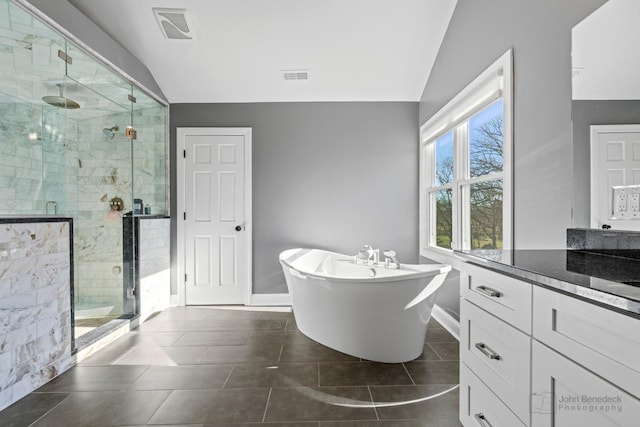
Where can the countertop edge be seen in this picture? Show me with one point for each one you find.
(33, 219)
(618, 303)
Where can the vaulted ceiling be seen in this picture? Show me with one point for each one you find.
(351, 50)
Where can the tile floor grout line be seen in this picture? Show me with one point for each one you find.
(407, 371)
(197, 362)
(161, 405)
(280, 355)
(50, 410)
(228, 376)
(373, 403)
(434, 350)
(266, 406)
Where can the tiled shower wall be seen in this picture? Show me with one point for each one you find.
(21, 160)
(154, 265)
(35, 318)
(103, 172)
(36, 170)
(74, 165)
(149, 155)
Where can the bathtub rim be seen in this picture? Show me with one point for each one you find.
(413, 271)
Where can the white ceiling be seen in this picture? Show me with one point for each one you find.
(355, 50)
(604, 51)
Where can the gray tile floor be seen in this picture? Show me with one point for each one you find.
(205, 366)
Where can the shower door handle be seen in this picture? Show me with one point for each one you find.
(238, 228)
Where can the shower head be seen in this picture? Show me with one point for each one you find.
(61, 101)
(111, 132)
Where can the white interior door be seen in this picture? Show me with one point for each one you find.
(216, 202)
(615, 164)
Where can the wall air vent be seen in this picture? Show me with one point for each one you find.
(173, 23)
(295, 74)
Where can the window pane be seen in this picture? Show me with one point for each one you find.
(444, 159)
(486, 215)
(444, 230)
(485, 140)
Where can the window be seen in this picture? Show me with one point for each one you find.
(465, 168)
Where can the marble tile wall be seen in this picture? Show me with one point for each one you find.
(34, 171)
(104, 171)
(35, 306)
(108, 168)
(154, 266)
(74, 165)
(149, 158)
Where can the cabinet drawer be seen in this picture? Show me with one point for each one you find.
(479, 407)
(506, 297)
(564, 394)
(601, 340)
(499, 354)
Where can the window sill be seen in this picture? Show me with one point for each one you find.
(442, 256)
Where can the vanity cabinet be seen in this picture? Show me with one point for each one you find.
(536, 357)
(481, 406)
(566, 394)
(586, 361)
(495, 348)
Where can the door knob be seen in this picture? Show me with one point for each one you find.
(238, 227)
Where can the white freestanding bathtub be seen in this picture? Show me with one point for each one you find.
(371, 312)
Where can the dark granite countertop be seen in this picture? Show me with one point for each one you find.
(146, 216)
(21, 219)
(608, 278)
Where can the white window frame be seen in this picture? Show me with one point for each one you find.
(494, 83)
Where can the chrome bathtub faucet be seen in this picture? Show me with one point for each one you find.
(370, 256)
(391, 257)
(364, 255)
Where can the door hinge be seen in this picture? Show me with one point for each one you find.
(184, 154)
(185, 216)
(132, 98)
(185, 277)
(66, 58)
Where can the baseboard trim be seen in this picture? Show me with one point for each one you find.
(446, 320)
(271, 299)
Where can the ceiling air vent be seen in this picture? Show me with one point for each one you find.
(295, 74)
(173, 23)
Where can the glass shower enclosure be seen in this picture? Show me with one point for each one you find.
(80, 141)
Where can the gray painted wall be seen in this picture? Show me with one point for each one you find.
(71, 20)
(584, 114)
(325, 175)
(540, 34)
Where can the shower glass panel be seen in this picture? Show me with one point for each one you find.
(102, 177)
(105, 194)
(29, 70)
(63, 150)
(150, 153)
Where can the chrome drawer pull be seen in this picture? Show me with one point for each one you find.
(488, 291)
(482, 420)
(487, 351)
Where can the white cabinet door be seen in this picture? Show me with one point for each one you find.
(479, 407)
(499, 354)
(507, 298)
(601, 340)
(564, 394)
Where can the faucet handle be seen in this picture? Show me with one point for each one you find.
(389, 253)
(364, 253)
